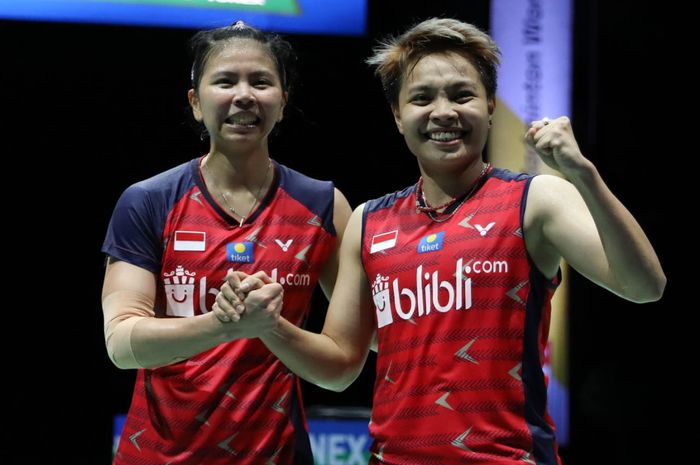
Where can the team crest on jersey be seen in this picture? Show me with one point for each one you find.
(240, 252)
(179, 292)
(431, 242)
(381, 297)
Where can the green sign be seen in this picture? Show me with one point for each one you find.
(289, 7)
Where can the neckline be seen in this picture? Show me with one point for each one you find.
(256, 197)
(196, 171)
(454, 204)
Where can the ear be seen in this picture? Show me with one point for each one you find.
(194, 103)
(397, 118)
(491, 105)
(285, 99)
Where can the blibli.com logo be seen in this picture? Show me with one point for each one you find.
(240, 252)
(431, 242)
(184, 292)
(486, 266)
(428, 294)
(291, 279)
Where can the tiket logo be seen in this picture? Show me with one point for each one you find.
(240, 252)
(431, 242)
(429, 293)
(179, 292)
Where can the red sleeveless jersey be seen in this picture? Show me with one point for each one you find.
(235, 403)
(462, 321)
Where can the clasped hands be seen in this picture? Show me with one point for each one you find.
(252, 302)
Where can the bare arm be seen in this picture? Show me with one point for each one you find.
(136, 339)
(583, 222)
(334, 358)
(341, 214)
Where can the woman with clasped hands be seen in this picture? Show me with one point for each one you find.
(207, 391)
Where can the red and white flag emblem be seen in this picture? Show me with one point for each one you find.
(384, 241)
(190, 241)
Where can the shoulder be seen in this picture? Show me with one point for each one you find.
(294, 181)
(167, 180)
(549, 197)
(501, 183)
(316, 196)
(147, 202)
(549, 181)
(547, 189)
(506, 175)
(162, 184)
(388, 200)
(137, 223)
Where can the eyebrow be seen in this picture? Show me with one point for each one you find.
(468, 83)
(260, 73)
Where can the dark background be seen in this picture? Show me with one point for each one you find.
(91, 109)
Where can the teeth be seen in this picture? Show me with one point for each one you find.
(444, 135)
(245, 120)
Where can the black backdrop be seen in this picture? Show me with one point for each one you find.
(91, 109)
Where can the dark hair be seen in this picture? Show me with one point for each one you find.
(203, 43)
(396, 55)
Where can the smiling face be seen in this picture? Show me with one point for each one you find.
(443, 111)
(239, 98)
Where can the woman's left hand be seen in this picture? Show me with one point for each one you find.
(555, 144)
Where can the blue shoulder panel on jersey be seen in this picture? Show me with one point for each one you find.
(388, 200)
(507, 175)
(317, 196)
(380, 203)
(135, 231)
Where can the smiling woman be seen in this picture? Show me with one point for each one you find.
(443, 111)
(208, 389)
(453, 276)
(239, 94)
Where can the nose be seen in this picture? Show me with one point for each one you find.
(243, 96)
(443, 111)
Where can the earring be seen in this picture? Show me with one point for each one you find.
(490, 121)
(203, 134)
